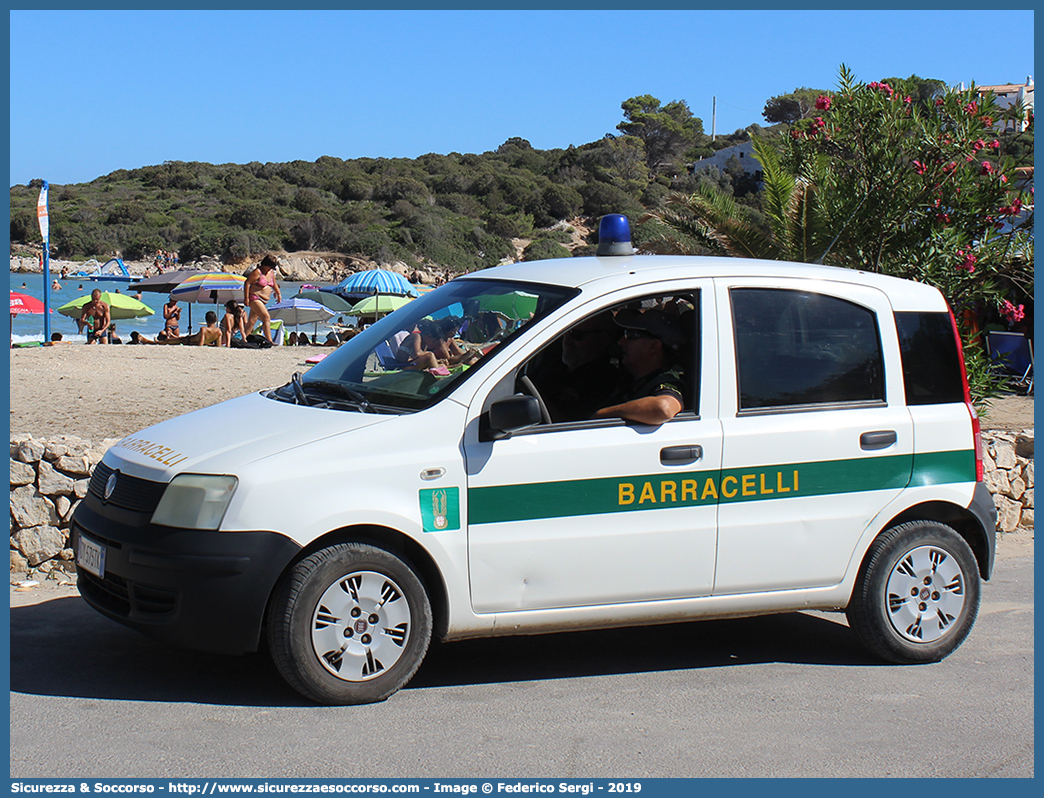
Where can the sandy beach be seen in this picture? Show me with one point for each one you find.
(98, 392)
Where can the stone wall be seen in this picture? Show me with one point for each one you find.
(49, 477)
(1008, 461)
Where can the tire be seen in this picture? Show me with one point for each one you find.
(917, 594)
(350, 624)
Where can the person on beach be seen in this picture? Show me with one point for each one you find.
(171, 318)
(205, 336)
(100, 315)
(113, 337)
(233, 325)
(258, 288)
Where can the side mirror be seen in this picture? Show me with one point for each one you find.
(512, 414)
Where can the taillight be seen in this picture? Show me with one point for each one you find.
(976, 426)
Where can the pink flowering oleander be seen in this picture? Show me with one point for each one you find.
(987, 121)
(987, 168)
(1011, 312)
(823, 103)
(919, 167)
(995, 144)
(972, 107)
(978, 145)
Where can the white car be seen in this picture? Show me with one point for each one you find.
(449, 472)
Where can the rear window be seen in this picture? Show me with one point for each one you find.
(797, 348)
(931, 363)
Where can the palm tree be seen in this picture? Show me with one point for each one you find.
(710, 221)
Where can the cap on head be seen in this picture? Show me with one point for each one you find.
(658, 324)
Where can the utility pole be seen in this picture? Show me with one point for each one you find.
(714, 116)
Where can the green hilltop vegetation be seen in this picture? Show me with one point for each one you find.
(455, 211)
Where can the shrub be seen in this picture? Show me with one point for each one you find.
(543, 249)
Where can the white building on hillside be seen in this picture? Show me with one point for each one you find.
(744, 152)
(1007, 94)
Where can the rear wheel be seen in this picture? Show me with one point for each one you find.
(349, 624)
(917, 594)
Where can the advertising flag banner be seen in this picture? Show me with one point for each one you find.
(41, 213)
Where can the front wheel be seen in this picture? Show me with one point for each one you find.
(349, 624)
(917, 594)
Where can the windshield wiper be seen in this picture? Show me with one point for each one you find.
(340, 388)
(299, 394)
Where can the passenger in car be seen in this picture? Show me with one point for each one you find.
(655, 392)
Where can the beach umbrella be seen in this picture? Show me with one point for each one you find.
(121, 306)
(210, 287)
(515, 305)
(163, 283)
(295, 311)
(336, 303)
(23, 303)
(376, 305)
(376, 281)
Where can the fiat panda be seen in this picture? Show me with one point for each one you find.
(470, 466)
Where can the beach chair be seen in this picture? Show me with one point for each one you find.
(1013, 353)
(277, 331)
(387, 351)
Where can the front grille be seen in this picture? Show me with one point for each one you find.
(124, 598)
(131, 493)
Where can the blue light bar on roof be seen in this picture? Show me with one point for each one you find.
(614, 235)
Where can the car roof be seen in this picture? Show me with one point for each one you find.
(603, 274)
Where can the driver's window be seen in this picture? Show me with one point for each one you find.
(588, 367)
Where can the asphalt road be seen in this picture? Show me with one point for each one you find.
(785, 696)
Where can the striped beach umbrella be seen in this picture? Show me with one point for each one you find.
(210, 288)
(296, 311)
(376, 281)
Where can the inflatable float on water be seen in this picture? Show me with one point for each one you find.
(112, 271)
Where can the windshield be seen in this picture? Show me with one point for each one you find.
(413, 357)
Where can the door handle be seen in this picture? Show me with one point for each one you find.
(881, 439)
(674, 455)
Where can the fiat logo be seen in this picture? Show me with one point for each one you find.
(360, 626)
(110, 486)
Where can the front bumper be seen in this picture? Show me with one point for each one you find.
(198, 589)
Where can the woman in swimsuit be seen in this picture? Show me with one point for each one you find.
(257, 290)
(232, 325)
(172, 318)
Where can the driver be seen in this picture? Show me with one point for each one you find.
(655, 392)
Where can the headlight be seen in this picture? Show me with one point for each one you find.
(195, 501)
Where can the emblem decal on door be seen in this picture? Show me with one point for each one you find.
(440, 509)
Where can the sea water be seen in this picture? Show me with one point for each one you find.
(27, 327)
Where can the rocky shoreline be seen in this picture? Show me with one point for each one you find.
(301, 267)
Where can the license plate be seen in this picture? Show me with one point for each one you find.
(90, 556)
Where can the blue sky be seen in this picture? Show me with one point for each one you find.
(125, 89)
